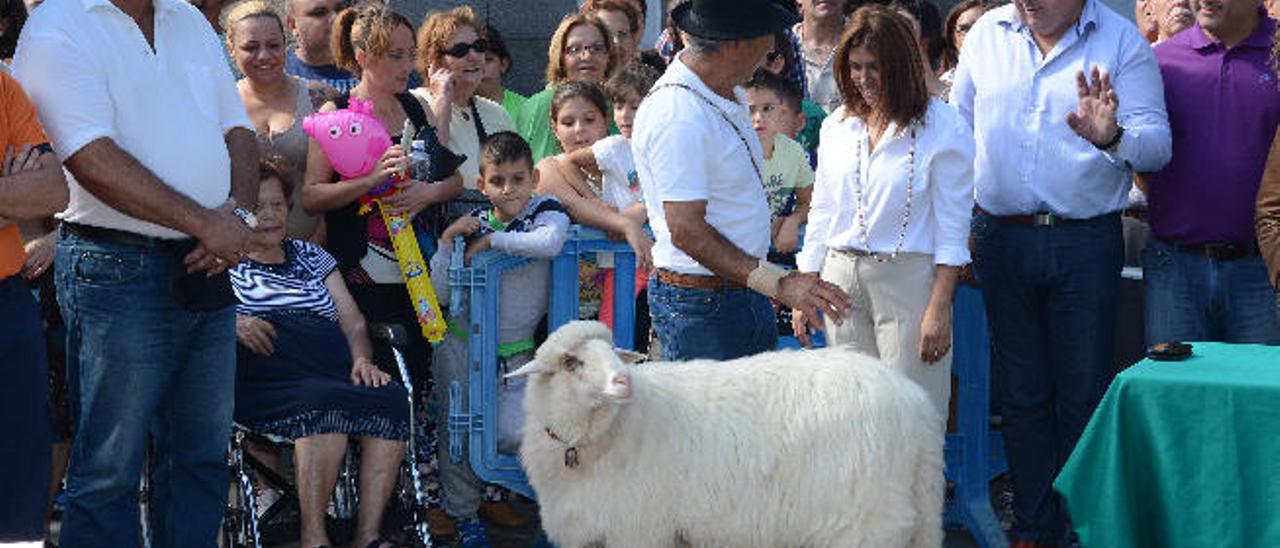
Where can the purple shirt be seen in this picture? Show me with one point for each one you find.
(1224, 106)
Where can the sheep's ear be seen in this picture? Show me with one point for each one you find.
(530, 368)
(629, 356)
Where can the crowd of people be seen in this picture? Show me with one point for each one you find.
(178, 252)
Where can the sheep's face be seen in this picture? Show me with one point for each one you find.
(577, 378)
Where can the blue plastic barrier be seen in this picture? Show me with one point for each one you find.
(974, 455)
(480, 282)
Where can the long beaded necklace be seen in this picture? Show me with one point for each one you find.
(862, 206)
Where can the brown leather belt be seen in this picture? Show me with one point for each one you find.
(1216, 252)
(696, 281)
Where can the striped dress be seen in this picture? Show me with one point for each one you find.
(304, 387)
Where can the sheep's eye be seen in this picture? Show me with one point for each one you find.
(570, 363)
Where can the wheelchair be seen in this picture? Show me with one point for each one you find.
(245, 526)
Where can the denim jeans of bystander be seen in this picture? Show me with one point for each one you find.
(139, 366)
(24, 409)
(1050, 295)
(1194, 298)
(711, 324)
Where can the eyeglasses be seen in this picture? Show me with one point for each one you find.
(461, 49)
(591, 51)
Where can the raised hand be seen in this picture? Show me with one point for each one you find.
(1095, 118)
(443, 81)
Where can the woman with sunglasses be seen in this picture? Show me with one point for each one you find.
(889, 222)
(451, 52)
(580, 51)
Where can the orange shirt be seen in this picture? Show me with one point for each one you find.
(18, 126)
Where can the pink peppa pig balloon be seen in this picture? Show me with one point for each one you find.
(353, 139)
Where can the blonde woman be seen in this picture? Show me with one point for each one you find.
(889, 221)
(276, 102)
(581, 51)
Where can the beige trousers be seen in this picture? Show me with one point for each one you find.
(889, 300)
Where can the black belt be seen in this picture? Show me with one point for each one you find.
(1139, 213)
(111, 235)
(1216, 252)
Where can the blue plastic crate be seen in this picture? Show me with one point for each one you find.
(480, 281)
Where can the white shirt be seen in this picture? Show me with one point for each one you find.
(620, 184)
(685, 151)
(463, 138)
(91, 75)
(941, 190)
(1017, 99)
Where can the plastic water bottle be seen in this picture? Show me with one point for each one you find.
(419, 161)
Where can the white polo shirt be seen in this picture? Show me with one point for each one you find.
(91, 74)
(685, 151)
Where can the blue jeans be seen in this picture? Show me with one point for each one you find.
(24, 409)
(139, 364)
(1194, 298)
(711, 324)
(1050, 295)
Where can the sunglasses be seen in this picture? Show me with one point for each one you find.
(772, 56)
(461, 49)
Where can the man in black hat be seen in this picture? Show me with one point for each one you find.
(700, 165)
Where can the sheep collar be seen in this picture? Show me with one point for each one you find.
(570, 453)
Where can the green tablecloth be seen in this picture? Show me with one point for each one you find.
(1182, 454)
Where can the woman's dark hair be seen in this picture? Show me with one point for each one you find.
(496, 44)
(366, 28)
(951, 54)
(578, 90)
(783, 46)
(925, 13)
(13, 13)
(887, 35)
(278, 168)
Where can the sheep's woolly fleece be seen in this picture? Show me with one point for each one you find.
(823, 448)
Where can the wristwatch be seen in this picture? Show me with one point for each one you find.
(247, 216)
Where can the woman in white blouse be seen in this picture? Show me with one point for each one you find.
(891, 206)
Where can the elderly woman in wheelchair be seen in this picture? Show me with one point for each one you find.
(305, 373)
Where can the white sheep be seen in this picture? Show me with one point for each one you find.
(822, 448)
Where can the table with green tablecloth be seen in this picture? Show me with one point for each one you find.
(1182, 454)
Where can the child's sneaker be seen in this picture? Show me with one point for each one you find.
(471, 534)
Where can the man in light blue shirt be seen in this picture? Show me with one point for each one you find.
(1055, 154)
